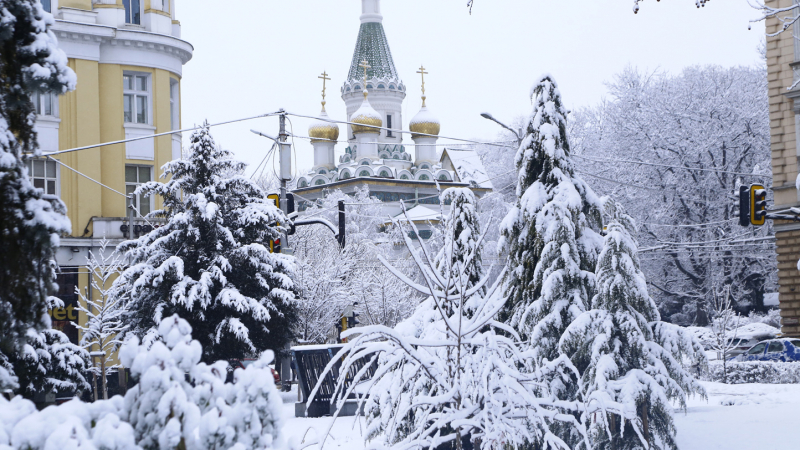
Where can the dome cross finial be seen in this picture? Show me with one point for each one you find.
(324, 78)
(422, 72)
(365, 65)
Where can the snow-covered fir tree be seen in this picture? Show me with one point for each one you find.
(49, 362)
(105, 313)
(31, 224)
(628, 379)
(461, 253)
(549, 235)
(445, 378)
(210, 263)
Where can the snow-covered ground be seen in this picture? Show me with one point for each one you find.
(735, 417)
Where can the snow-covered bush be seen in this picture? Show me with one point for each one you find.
(446, 377)
(765, 372)
(210, 263)
(178, 404)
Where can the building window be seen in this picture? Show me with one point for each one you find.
(389, 125)
(424, 177)
(136, 176)
(136, 98)
(133, 11)
(44, 175)
(174, 104)
(45, 104)
(46, 5)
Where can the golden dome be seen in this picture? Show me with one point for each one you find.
(366, 115)
(321, 131)
(424, 123)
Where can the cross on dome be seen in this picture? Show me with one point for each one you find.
(422, 72)
(365, 65)
(324, 78)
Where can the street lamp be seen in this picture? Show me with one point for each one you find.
(517, 133)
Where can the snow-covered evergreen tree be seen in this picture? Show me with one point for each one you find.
(105, 314)
(49, 362)
(549, 236)
(445, 378)
(211, 263)
(461, 253)
(628, 379)
(30, 224)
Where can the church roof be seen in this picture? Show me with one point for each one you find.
(467, 165)
(419, 213)
(373, 47)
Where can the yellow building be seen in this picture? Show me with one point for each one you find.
(128, 56)
(783, 68)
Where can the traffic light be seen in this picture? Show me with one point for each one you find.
(744, 206)
(275, 246)
(758, 204)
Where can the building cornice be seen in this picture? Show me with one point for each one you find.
(87, 41)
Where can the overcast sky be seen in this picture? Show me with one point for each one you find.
(256, 56)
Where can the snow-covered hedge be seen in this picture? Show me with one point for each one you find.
(765, 372)
(178, 404)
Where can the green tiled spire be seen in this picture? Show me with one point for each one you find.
(373, 47)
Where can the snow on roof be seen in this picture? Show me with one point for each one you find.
(419, 213)
(468, 166)
(758, 331)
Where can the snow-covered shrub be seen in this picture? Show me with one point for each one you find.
(177, 405)
(210, 263)
(765, 372)
(771, 318)
(446, 376)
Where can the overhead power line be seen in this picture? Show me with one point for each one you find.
(702, 169)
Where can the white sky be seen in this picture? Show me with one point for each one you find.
(256, 56)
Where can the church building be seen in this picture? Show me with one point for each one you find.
(376, 155)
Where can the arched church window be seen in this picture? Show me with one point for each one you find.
(443, 177)
(302, 183)
(381, 86)
(319, 182)
(322, 171)
(391, 86)
(384, 174)
(424, 177)
(403, 177)
(364, 163)
(363, 173)
(424, 166)
(369, 86)
(396, 156)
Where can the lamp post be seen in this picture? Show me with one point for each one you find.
(517, 133)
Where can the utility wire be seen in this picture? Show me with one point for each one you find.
(151, 136)
(670, 166)
(393, 130)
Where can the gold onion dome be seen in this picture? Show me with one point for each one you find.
(366, 115)
(424, 123)
(323, 131)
